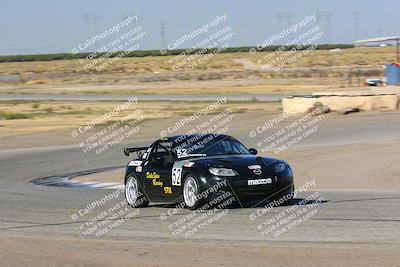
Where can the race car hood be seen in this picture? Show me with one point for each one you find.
(243, 164)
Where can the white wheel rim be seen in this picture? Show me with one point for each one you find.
(190, 191)
(131, 191)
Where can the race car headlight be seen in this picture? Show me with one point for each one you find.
(280, 167)
(223, 172)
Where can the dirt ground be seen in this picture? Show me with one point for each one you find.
(52, 251)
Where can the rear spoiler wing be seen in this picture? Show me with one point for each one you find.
(129, 150)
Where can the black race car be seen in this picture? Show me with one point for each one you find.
(183, 167)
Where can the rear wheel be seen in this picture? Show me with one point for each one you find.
(191, 190)
(134, 194)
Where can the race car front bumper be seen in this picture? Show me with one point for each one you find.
(239, 187)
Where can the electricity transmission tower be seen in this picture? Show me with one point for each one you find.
(324, 18)
(163, 29)
(285, 20)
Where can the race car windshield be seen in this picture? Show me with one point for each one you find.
(212, 148)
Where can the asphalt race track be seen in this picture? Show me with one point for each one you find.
(352, 217)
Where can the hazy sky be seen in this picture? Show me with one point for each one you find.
(54, 26)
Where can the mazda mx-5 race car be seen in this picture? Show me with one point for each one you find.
(183, 167)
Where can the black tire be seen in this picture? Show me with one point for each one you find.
(134, 193)
(191, 201)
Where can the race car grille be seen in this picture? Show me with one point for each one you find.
(242, 188)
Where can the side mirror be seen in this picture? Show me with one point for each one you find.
(159, 159)
(253, 151)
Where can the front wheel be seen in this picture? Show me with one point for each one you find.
(134, 194)
(191, 190)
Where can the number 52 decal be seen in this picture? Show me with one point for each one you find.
(176, 176)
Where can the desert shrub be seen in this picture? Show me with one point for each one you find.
(13, 116)
(145, 53)
(49, 110)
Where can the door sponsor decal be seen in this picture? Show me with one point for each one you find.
(155, 177)
(167, 190)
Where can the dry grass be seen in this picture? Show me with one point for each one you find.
(318, 58)
(219, 75)
(273, 86)
(45, 116)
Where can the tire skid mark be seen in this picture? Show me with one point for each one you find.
(66, 180)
